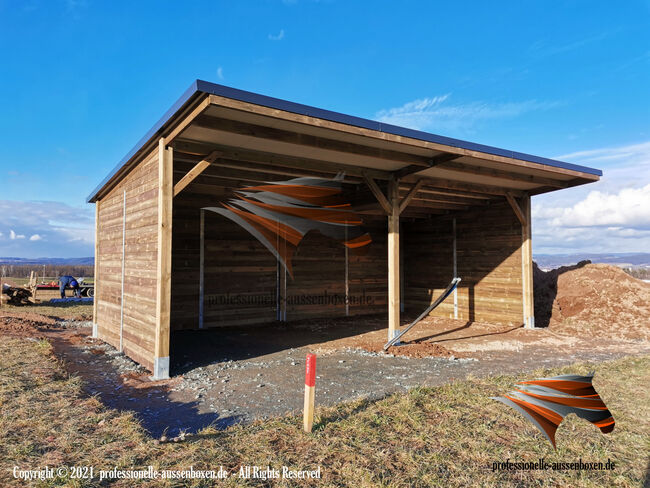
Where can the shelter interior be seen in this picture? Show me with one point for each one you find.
(433, 209)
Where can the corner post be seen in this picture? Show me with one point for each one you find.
(164, 262)
(96, 277)
(393, 259)
(527, 265)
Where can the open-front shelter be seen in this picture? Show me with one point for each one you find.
(435, 207)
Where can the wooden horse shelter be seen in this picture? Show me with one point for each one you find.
(433, 208)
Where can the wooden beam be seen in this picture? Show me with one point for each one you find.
(434, 161)
(409, 196)
(379, 195)
(517, 209)
(164, 260)
(469, 187)
(308, 140)
(444, 192)
(187, 121)
(278, 160)
(393, 260)
(271, 172)
(504, 175)
(527, 266)
(195, 171)
(434, 198)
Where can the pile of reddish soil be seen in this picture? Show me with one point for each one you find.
(417, 349)
(598, 299)
(25, 323)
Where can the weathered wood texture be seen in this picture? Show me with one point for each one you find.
(489, 263)
(141, 239)
(241, 276)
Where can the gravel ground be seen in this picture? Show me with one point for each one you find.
(216, 382)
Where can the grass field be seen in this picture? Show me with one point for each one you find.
(447, 436)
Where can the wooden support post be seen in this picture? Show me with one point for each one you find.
(310, 392)
(527, 265)
(393, 259)
(201, 266)
(347, 276)
(455, 271)
(164, 262)
(96, 277)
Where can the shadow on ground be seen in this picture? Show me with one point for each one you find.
(196, 348)
(120, 384)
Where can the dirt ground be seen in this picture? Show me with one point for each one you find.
(228, 375)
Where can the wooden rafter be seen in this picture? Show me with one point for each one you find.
(187, 120)
(504, 175)
(277, 160)
(469, 187)
(517, 209)
(195, 171)
(308, 140)
(434, 161)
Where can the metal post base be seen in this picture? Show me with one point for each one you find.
(160, 368)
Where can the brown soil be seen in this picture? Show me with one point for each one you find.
(421, 349)
(24, 322)
(596, 299)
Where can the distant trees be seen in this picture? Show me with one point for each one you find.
(50, 271)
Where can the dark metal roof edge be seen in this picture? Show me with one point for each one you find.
(298, 108)
(185, 97)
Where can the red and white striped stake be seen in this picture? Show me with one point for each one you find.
(310, 391)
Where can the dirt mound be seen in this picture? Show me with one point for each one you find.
(418, 349)
(599, 299)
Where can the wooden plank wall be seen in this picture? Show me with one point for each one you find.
(141, 238)
(238, 265)
(488, 258)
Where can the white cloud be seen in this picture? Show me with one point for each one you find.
(612, 215)
(630, 207)
(436, 113)
(277, 37)
(69, 230)
(220, 73)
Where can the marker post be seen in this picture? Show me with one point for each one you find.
(310, 391)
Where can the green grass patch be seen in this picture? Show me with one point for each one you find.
(447, 436)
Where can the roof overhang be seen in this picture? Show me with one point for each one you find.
(247, 125)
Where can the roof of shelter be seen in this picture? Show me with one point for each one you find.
(203, 115)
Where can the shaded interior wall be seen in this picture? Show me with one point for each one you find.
(318, 285)
(140, 262)
(488, 241)
(241, 275)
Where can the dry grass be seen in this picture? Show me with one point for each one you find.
(447, 436)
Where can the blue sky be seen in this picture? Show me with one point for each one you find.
(82, 81)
